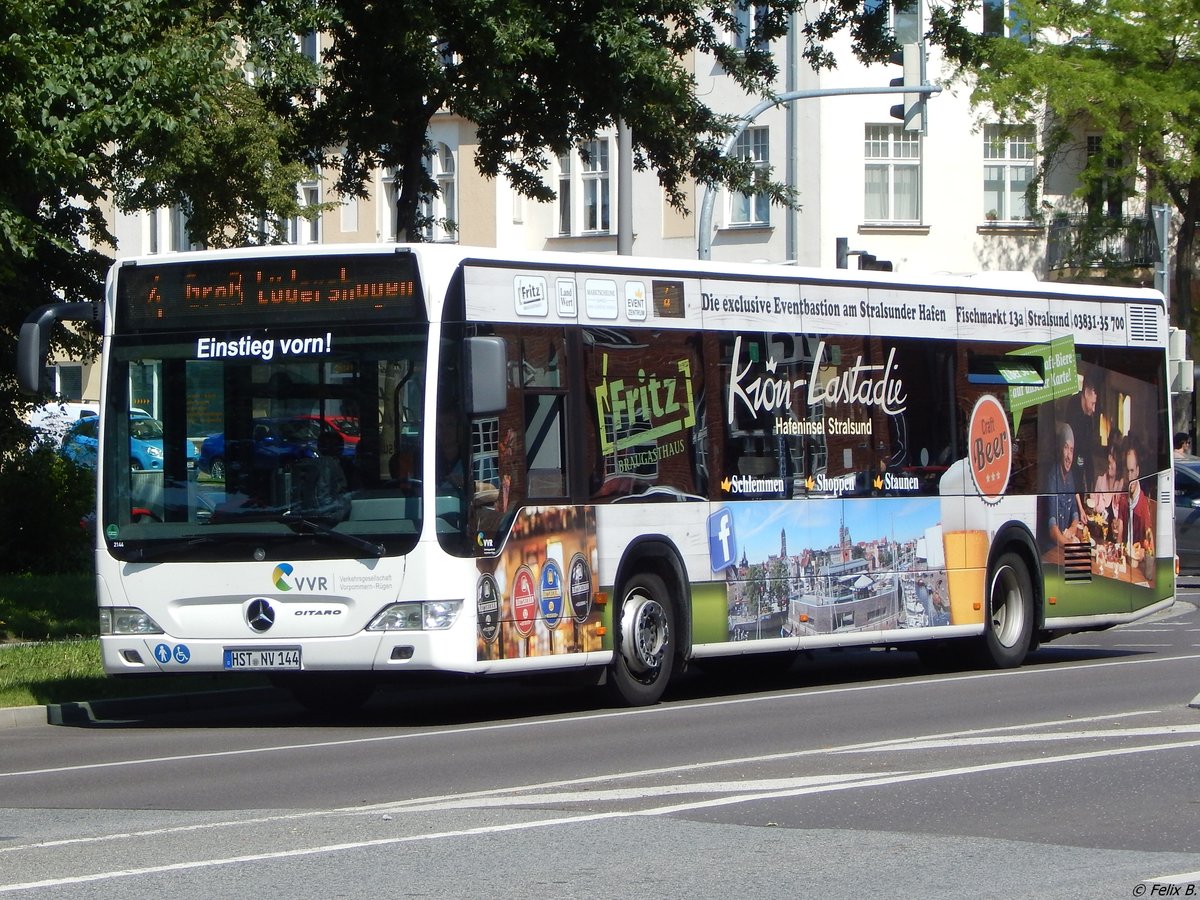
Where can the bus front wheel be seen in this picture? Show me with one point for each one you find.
(1009, 626)
(645, 651)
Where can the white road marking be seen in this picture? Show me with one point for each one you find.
(1182, 878)
(605, 778)
(666, 709)
(867, 782)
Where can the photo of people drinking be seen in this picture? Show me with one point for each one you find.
(1097, 506)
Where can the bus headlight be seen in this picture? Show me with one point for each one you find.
(431, 615)
(439, 614)
(127, 620)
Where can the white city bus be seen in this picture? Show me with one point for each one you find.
(419, 459)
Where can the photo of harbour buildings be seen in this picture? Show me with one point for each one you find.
(834, 566)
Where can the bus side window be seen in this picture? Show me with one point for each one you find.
(545, 451)
(645, 408)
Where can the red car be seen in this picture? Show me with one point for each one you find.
(345, 426)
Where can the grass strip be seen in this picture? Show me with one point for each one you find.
(48, 672)
(50, 648)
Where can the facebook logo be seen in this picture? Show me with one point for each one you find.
(722, 543)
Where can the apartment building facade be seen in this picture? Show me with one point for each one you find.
(950, 199)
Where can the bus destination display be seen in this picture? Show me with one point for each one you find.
(231, 292)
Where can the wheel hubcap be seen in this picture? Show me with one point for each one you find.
(1006, 608)
(644, 633)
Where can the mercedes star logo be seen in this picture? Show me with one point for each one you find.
(260, 615)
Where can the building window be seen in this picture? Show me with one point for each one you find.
(391, 197)
(904, 18)
(749, 17)
(68, 382)
(1008, 153)
(893, 174)
(752, 209)
(168, 231)
(1003, 18)
(564, 193)
(302, 230)
(441, 212)
(596, 187)
(1106, 194)
(179, 229)
(153, 244)
(485, 450)
(310, 47)
(585, 175)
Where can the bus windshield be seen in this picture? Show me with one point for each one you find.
(272, 443)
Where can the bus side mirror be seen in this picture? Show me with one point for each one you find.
(32, 350)
(487, 361)
(34, 345)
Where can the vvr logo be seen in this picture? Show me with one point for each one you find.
(282, 576)
(279, 576)
(722, 542)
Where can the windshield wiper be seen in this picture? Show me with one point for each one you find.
(301, 525)
(169, 548)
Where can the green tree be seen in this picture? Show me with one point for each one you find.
(539, 77)
(137, 104)
(1126, 70)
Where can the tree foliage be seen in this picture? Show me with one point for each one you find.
(211, 106)
(46, 497)
(539, 77)
(137, 104)
(1125, 70)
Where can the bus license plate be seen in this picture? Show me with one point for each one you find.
(281, 658)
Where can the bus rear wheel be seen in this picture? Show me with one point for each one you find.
(645, 650)
(1009, 625)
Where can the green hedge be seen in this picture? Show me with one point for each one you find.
(44, 498)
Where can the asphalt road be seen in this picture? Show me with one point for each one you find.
(850, 775)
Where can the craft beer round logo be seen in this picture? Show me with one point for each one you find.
(487, 605)
(990, 448)
(579, 588)
(550, 593)
(524, 601)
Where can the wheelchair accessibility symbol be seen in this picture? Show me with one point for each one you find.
(165, 653)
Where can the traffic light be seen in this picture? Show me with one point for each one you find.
(912, 111)
(869, 262)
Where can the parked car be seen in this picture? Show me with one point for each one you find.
(1187, 514)
(51, 421)
(276, 442)
(81, 444)
(345, 426)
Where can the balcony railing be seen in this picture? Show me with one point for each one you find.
(1101, 243)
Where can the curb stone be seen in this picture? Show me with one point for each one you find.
(86, 712)
(16, 716)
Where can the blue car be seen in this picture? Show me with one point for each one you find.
(275, 442)
(81, 444)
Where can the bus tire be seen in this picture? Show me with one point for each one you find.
(644, 653)
(1008, 630)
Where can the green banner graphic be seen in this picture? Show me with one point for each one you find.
(1060, 378)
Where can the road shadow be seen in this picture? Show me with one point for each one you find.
(438, 702)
